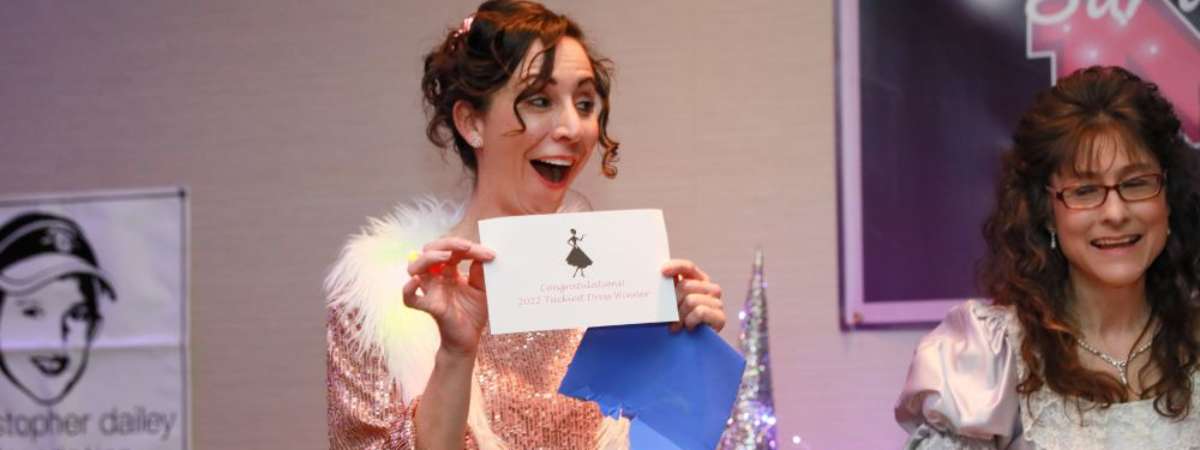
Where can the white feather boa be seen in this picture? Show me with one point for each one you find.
(368, 279)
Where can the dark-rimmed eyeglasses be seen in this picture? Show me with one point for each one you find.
(1087, 196)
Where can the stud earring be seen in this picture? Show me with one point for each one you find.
(476, 141)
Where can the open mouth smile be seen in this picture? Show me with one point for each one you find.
(51, 365)
(1110, 243)
(553, 170)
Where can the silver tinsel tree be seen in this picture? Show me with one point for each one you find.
(752, 423)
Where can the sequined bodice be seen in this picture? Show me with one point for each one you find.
(519, 375)
(1051, 422)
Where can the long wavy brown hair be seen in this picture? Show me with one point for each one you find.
(1021, 270)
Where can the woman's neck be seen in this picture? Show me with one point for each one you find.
(1103, 311)
(479, 207)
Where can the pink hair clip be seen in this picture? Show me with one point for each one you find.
(466, 26)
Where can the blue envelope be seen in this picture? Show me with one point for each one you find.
(677, 388)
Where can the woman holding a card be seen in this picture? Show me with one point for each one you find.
(1092, 339)
(520, 98)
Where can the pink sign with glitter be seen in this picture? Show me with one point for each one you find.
(1157, 39)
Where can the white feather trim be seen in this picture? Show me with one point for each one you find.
(368, 281)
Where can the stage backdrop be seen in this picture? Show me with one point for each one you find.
(928, 93)
(92, 321)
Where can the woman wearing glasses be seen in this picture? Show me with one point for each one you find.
(1091, 340)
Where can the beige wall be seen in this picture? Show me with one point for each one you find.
(292, 121)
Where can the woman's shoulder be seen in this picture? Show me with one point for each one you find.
(384, 243)
(408, 226)
(364, 289)
(963, 375)
(976, 319)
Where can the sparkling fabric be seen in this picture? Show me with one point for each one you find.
(518, 375)
(365, 409)
(961, 393)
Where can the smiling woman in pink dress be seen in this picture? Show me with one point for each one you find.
(518, 95)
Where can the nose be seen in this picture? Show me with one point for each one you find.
(1115, 209)
(72, 329)
(568, 126)
(45, 333)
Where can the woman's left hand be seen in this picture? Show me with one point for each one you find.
(698, 297)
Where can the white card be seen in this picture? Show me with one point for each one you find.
(576, 270)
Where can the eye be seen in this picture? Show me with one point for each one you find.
(1083, 191)
(538, 101)
(33, 312)
(586, 105)
(1136, 182)
(80, 312)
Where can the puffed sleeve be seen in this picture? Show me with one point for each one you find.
(961, 387)
(365, 407)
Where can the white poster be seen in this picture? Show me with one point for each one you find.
(93, 337)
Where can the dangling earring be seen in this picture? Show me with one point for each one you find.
(1053, 240)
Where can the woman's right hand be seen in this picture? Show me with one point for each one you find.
(457, 303)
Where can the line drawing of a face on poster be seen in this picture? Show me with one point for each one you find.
(51, 286)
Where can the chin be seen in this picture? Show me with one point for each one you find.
(1119, 276)
(544, 210)
(543, 201)
(543, 205)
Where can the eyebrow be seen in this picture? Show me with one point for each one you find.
(589, 80)
(586, 81)
(1135, 167)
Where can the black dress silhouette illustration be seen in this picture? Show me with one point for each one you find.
(577, 258)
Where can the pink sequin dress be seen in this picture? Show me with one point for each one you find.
(518, 374)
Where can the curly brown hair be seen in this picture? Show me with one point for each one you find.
(473, 64)
(1020, 269)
